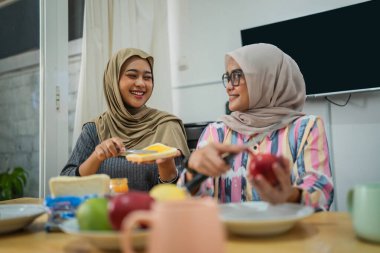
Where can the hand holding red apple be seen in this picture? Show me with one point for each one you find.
(262, 164)
(270, 175)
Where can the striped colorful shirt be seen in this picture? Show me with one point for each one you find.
(303, 142)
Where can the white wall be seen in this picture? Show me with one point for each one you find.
(213, 28)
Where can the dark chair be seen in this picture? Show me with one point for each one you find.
(193, 132)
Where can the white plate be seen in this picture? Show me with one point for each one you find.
(107, 240)
(16, 216)
(261, 218)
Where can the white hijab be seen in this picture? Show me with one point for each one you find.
(276, 89)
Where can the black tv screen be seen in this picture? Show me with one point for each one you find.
(338, 51)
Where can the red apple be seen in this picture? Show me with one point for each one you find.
(123, 204)
(263, 164)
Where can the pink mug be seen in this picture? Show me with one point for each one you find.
(185, 226)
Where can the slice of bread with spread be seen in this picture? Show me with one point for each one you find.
(79, 186)
(162, 151)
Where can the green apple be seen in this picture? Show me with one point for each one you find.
(93, 215)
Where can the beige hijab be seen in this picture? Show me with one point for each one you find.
(139, 127)
(276, 89)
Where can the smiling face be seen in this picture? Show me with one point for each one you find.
(237, 95)
(136, 82)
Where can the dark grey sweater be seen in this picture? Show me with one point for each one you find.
(140, 177)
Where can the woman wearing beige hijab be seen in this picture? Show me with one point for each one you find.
(266, 92)
(128, 124)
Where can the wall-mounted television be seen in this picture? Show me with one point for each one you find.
(338, 51)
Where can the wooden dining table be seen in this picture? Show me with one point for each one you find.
(322, 232)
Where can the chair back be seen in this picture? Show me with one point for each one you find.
(193, 132)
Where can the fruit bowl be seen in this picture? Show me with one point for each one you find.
(105, 240)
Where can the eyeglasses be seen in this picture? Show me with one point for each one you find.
(234, 78)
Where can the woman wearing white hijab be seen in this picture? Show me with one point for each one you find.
(266, 93)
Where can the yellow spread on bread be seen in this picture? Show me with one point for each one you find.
(163, 151)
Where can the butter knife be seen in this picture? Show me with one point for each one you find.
(137, 151)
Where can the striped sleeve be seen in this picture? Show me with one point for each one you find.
(312, 167)
(214, 132)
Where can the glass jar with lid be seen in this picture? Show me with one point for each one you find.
(119, 185)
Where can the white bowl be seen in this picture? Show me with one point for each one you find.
(16, 216)
(261, 218)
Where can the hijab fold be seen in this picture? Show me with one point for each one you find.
(276, 89)
(137, 127)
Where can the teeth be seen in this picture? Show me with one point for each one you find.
(138, 93)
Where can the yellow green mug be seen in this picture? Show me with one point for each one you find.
(363, 203)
